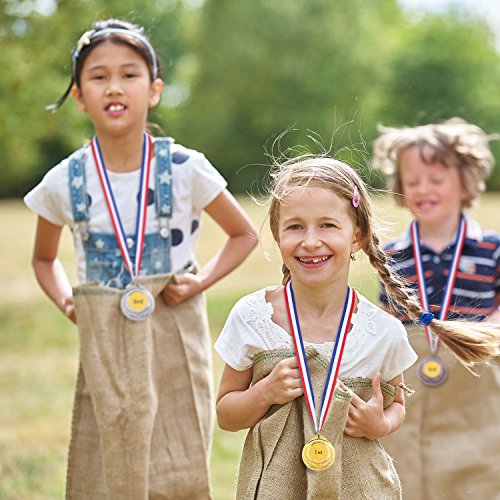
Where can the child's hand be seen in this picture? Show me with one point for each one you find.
(186, 285)
(283, 384)
(69, 309)
(368, 419)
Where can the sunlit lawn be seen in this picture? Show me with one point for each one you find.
(39, 351)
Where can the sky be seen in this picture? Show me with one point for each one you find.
(489, 9)
(480, 6)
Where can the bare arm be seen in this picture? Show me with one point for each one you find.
(241, 405)
(49, 271)
(370, 419)
(242, 238)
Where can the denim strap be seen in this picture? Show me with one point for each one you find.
(77, 183)
(163, 200)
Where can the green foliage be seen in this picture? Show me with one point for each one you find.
(240, 74)
(307, 66)
(36, 65)
(442, 67)
(445, 67)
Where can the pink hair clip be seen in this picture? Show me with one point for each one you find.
(356, 197)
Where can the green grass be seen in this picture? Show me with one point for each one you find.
(39, 349)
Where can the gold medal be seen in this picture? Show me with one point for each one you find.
(432, 371)
(318, 453)
(137, 303)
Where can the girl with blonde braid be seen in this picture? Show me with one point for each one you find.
(449, 445)
(286, 346)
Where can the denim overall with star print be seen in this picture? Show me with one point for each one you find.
(143, 408)
(104, 262)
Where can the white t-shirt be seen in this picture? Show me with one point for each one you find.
(196, 183)
(376, 342)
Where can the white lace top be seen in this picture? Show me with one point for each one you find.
(376, 342)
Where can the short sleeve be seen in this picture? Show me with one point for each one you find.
(207, 182)
(239, 341)
(400, 355)
(47, 198)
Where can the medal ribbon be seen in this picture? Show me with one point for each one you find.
(140, 228)
(450, 283)
(338, 351)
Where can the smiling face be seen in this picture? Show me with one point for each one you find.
(316, 236)
(116, 90)
(432, 191)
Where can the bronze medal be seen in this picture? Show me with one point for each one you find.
(318, 453)
(137, 303)
(432, 371)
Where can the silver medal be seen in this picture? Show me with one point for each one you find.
(137, 303)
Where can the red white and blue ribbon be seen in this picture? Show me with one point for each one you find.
(450, 283)
(140, 229)
(338, 351)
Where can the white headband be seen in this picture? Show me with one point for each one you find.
(87, 37)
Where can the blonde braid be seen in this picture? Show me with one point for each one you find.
(470, 342)
(397, 292)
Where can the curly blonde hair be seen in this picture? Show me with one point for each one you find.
(453, 143)
(470, 342)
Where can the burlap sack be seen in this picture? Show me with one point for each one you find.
(448, 446)
(271, 466)
(142, 419)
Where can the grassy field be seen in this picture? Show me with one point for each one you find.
(39, 351)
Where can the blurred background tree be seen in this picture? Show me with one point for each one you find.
(238, 74)
(445, 66)
(262, 69)
(37, 38)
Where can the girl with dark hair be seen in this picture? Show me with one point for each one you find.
(142, 420)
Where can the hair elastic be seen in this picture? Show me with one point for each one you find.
(426, 318)
(87, 37)
(356, 197)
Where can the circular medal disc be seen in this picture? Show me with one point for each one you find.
(137, 304)
(318, 453)
(432, 371)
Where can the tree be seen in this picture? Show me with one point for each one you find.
(36, 64)
(446, 66)
(238, 74)
(265, 66)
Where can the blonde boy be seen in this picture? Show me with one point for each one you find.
(448, 446)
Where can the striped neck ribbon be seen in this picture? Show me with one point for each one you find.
(450, 283)
(140, 228)
(335, 361)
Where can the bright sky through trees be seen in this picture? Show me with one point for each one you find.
(489, 9)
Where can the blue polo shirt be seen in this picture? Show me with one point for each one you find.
(478, 278)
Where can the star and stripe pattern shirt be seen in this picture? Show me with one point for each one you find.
(477, 287)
